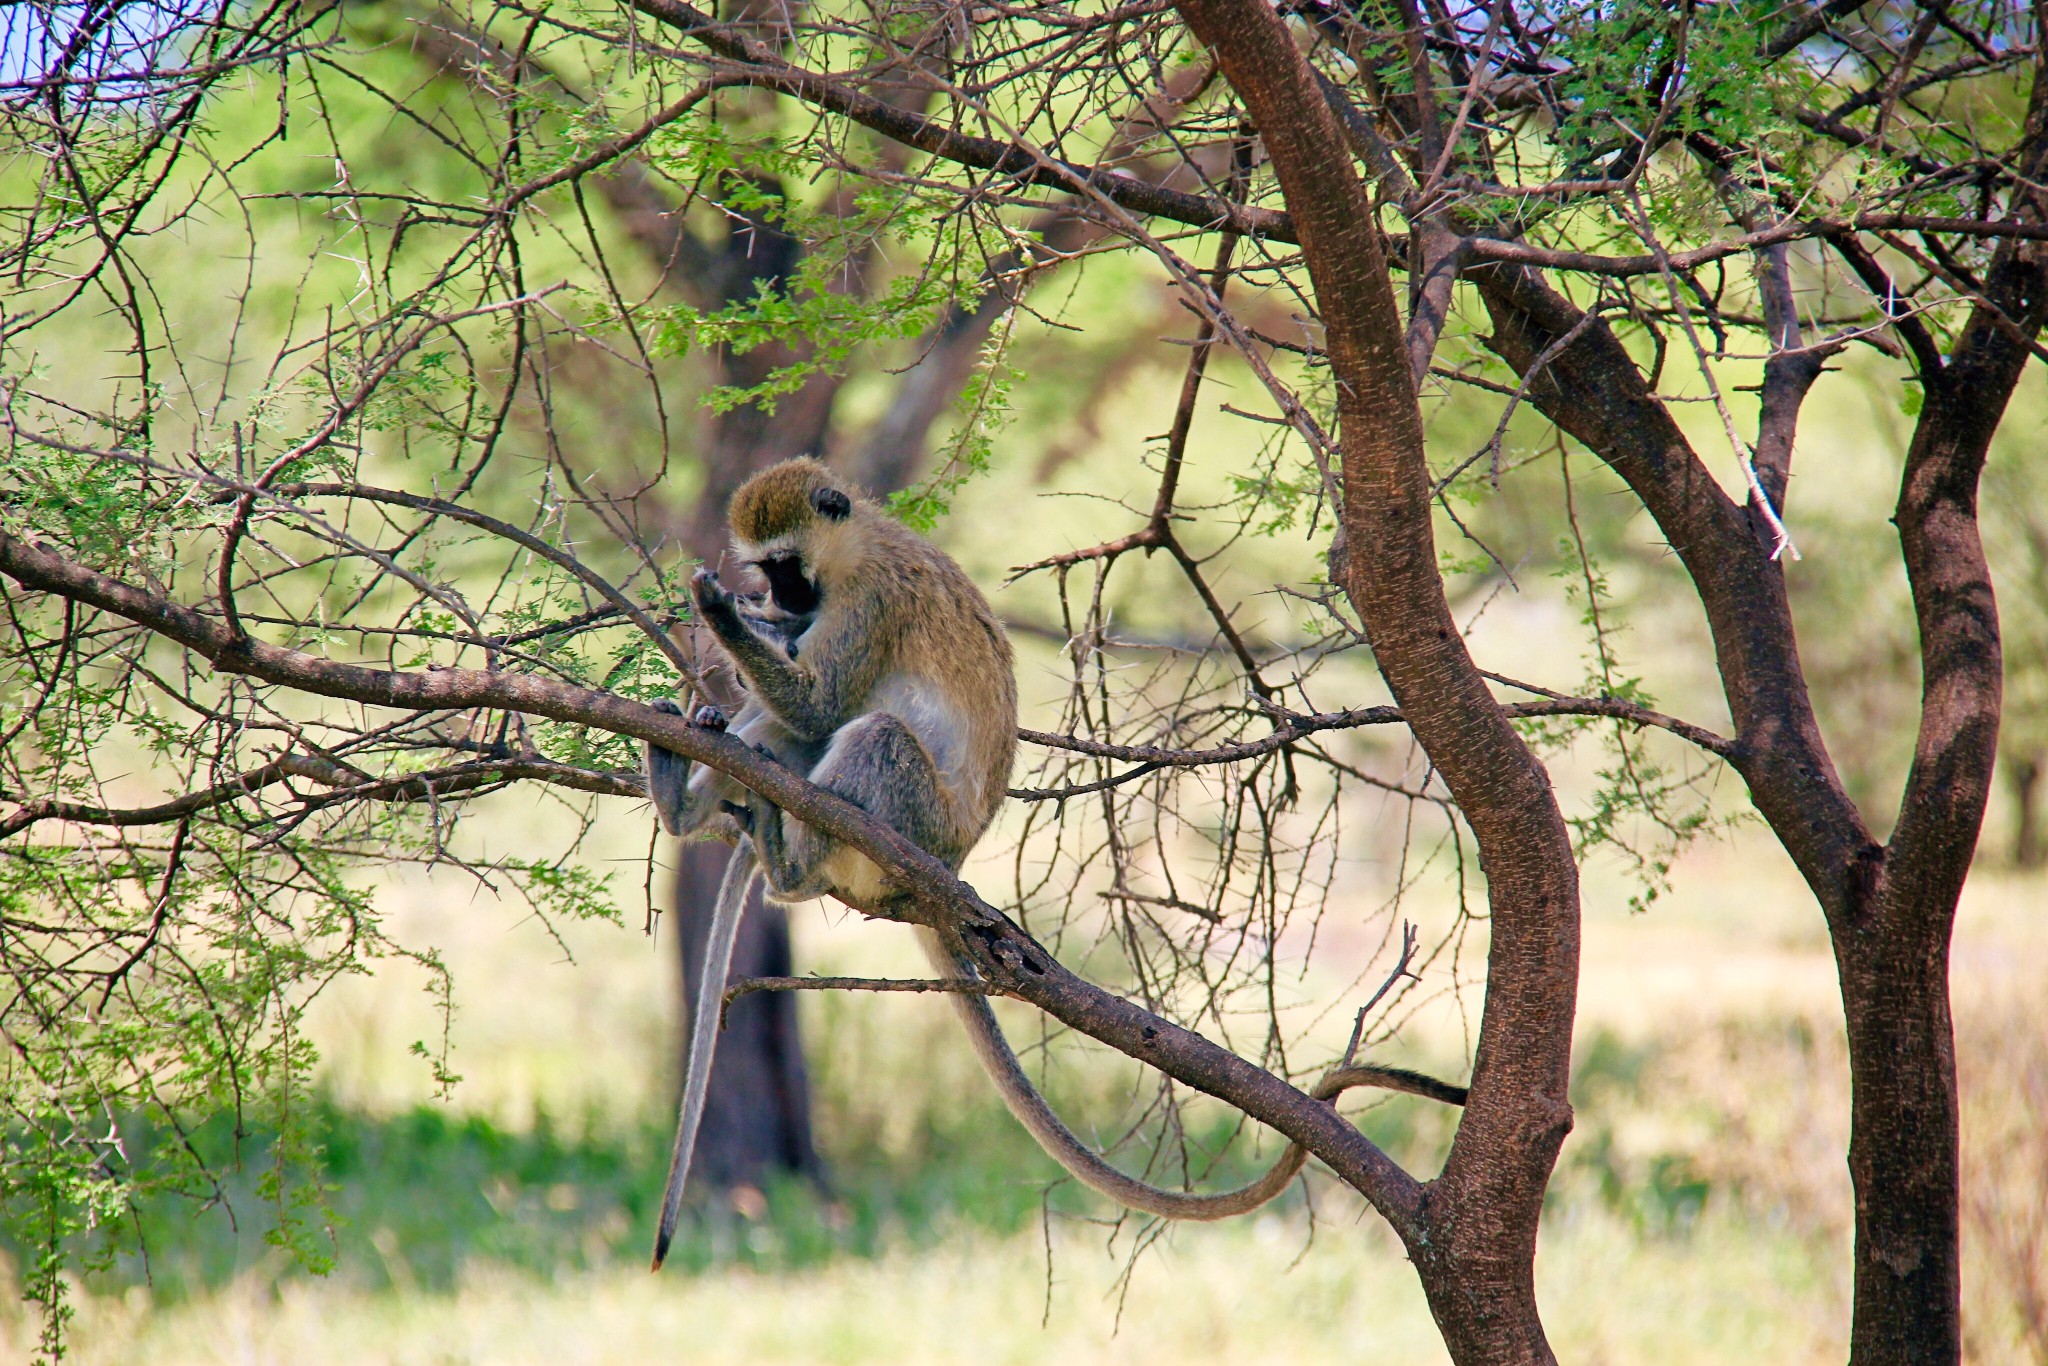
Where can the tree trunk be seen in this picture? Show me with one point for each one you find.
(757, 1112)
(1890, 909)
(1904, 1133)
(1893, 926)
(1485, 1306)
(1474, 1244)
(2028, 849)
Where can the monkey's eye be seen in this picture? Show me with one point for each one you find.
(832, 504)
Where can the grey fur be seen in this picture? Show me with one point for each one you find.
(739, 877)
(697, 805)
(876, 763)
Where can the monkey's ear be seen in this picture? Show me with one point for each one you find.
(831, 504)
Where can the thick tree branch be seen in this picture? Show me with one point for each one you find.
(1942, 807)
(929, 892)
(1593, 390)
(1476, 1267)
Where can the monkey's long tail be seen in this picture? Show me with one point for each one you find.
(740, 871)
(1090, 1168)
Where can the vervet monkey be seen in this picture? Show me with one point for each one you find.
(876, 669)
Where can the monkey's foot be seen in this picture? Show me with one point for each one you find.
(708, 717)
(742, 816)
(667, 706)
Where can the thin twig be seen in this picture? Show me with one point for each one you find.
(951, 986)
(1408, 944)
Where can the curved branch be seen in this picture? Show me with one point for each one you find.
(346, 786)
(238, 492)
(1294, 727)
(1472, 1249)
(928, 892)
(596, 582)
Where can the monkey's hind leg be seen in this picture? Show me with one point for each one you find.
(877, 763)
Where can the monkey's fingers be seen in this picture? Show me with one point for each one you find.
(709, 717)
(707, 592)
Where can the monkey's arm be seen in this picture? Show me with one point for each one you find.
(1088, 1167)
(810, 700)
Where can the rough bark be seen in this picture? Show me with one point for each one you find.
(757, 1111)
(1893, 950)
(1474, 1244)
(1890, 908)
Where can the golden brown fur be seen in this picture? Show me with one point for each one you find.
(776, 500)
(899, 628)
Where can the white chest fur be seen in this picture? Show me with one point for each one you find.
(937, 722)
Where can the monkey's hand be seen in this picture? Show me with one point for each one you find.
(716, 607)
(766, 661)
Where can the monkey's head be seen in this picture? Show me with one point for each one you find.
(791, 521)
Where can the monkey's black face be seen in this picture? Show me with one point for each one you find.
(787, 585)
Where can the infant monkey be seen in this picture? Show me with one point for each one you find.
(877, 670)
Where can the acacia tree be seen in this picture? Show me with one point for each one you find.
(1587, 208)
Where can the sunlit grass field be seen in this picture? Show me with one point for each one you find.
(1700, 1212)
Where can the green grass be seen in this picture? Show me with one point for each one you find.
(1699, 1211)
(413, 1199)
(418, 1199)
